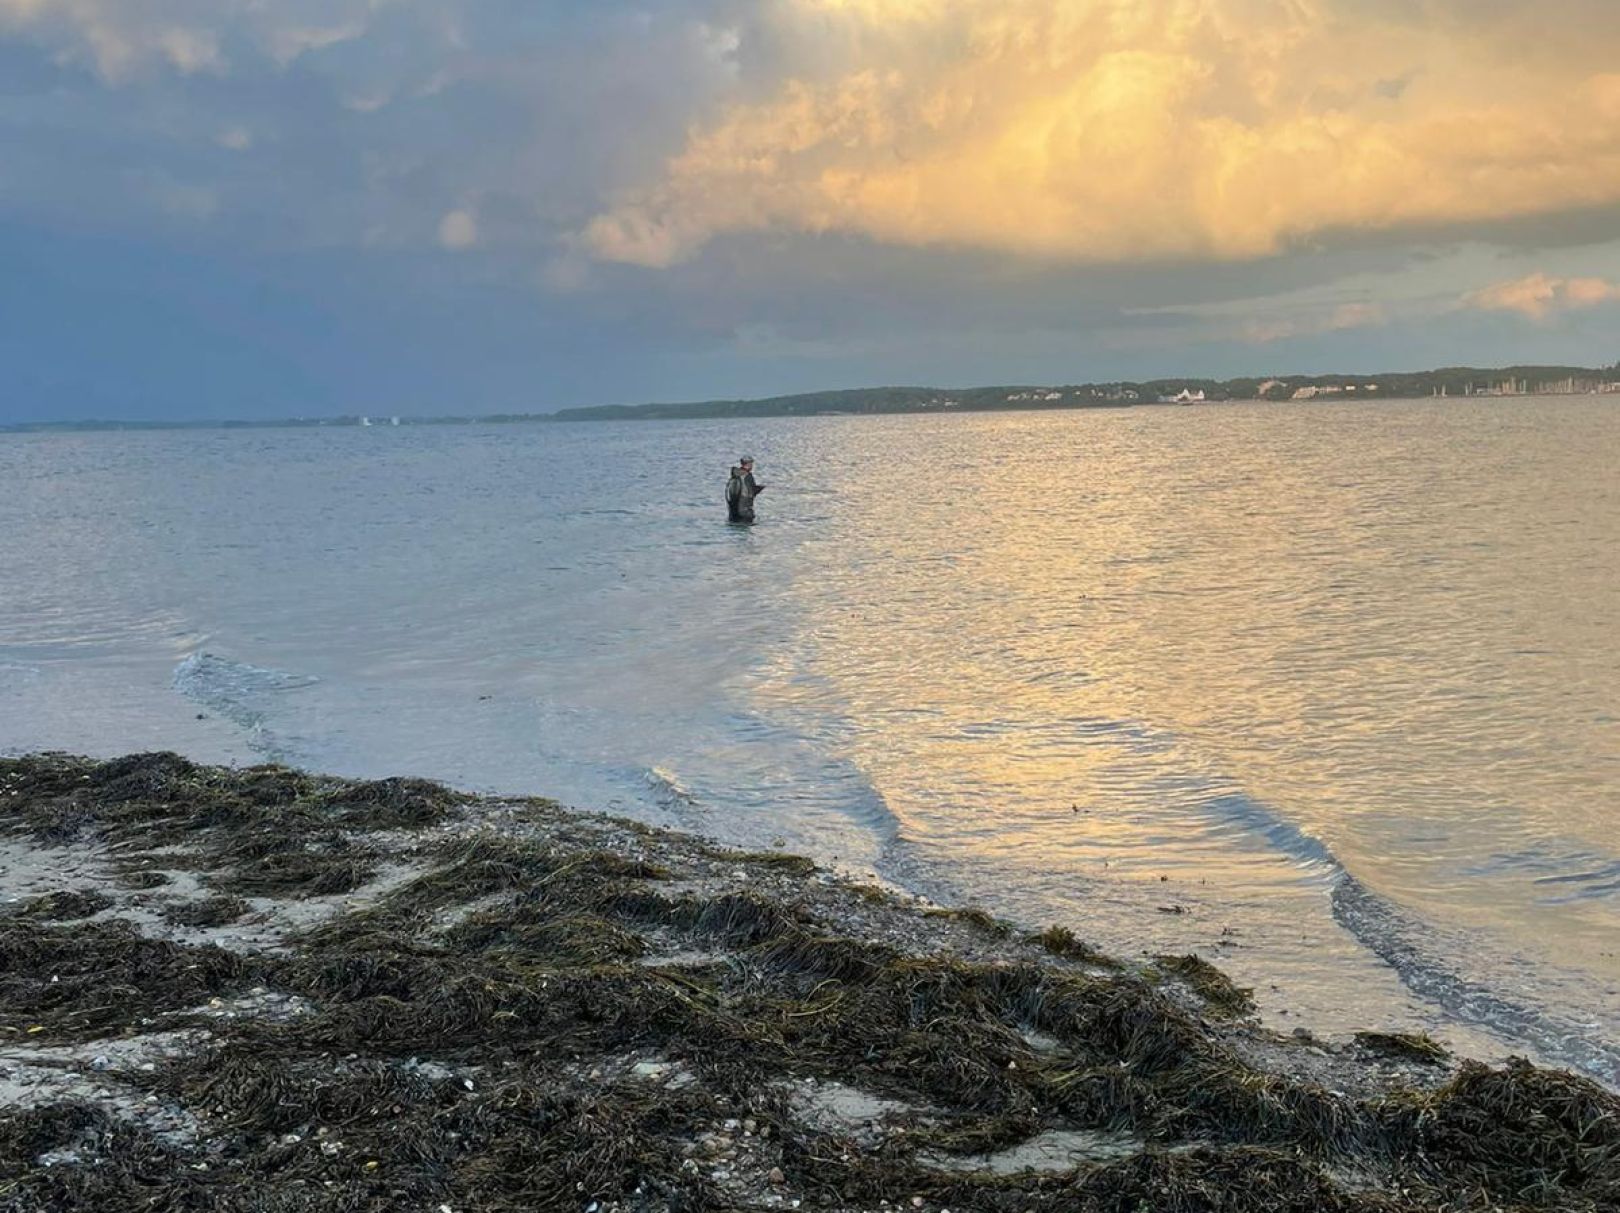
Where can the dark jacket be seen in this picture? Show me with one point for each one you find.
(741, 490)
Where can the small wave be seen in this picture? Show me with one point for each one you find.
(1417, 952)
(1416, 955)
(869, 808)
(1597, 882)
(823, 788)
(669, 791)
(810, 774)
(239, 692)
(1278, 833)
(207, 675)
(1567, 874)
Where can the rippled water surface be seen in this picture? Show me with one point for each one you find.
(1328, 693)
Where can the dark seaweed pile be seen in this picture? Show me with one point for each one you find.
(473, 1032)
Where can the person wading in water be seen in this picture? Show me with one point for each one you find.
(741, 490)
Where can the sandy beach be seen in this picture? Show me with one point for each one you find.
(261, 989)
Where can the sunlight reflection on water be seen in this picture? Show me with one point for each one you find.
(1079, 666)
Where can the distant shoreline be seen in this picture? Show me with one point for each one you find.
(1448, 382)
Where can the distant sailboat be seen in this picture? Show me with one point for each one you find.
(365, 421)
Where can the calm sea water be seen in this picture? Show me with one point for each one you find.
(1338, 683)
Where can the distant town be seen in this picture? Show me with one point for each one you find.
(1463, 382)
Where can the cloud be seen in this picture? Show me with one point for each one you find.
(884, 182)
(1308, 324)
(120, 39)
(368, 120)
(290, 42)
(458, 230)
(1540, 296)
(1264, 321)
(1122, 130)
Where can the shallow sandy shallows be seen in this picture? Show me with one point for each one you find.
(263, 990)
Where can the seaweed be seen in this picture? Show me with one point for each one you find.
(77, 1156)
(1062, 942)
(739, 919)
(976, 1135)
(391, 804)
(64, 906)
(1219, 993)
(781, 861)
(92, 980)
(1418, 1047)
(1239, 1180)
(485, 1035)
(823, 958)
(162, 799)
(302, 873)
(871, 894)
(205, 912)
(543, 934)
(974, 916)
(143, 878)
(1519, 1134)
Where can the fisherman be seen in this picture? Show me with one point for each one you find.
(741, 490)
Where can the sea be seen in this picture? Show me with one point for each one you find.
(1328, 693)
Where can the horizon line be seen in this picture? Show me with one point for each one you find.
(646, 409)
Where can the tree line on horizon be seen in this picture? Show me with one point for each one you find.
(1398, 385)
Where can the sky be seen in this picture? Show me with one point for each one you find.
(272, 208)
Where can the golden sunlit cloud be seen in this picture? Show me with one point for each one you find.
(1540, 295)
(1142, 129)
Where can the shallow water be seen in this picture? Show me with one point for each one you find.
(1336, 682)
